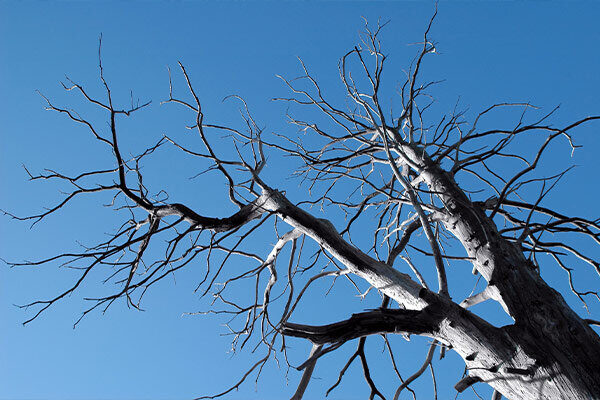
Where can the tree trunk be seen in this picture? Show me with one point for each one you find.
(555, 354)
(549, 352)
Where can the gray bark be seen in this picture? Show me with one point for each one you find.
(549, 353)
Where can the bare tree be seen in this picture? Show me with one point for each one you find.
(399, 167)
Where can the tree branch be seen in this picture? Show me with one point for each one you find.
(363, 324)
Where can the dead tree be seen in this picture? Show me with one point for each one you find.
(401, 168)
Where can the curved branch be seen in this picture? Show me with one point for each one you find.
(363, 324)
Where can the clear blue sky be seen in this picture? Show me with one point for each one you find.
(542, 52)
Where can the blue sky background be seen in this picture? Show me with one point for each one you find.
(541, 52)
